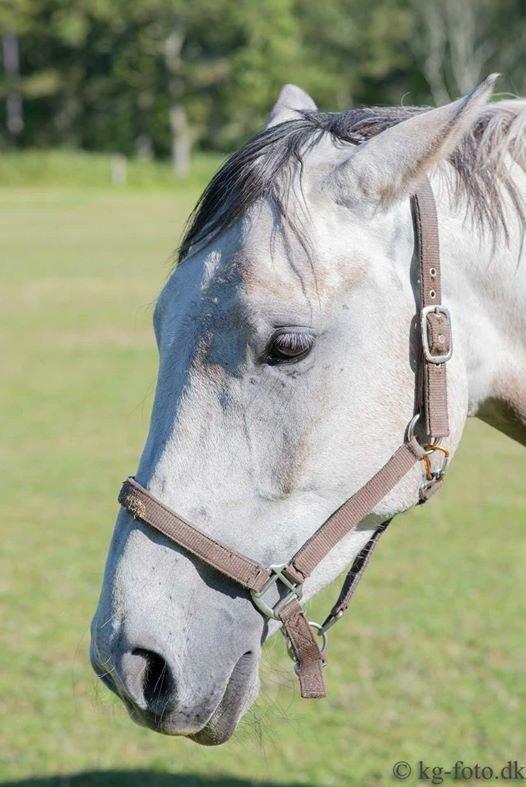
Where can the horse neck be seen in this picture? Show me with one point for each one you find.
(485, 283)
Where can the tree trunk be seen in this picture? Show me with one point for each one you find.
(431, 49)
(14, 107)
(181, 141)
(470, 50)
(181, 136)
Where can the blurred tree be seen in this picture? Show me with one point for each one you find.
(156, 77)
(457, 43)
(11, 89)
(13, 96)
(184, 51)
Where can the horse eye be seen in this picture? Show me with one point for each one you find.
(289, 346)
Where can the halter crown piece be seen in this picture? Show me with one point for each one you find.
(306, 640)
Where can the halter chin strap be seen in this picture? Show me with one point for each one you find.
(431, 405)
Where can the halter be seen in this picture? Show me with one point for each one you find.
(431, 412)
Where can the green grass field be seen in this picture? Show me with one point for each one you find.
(429, 665)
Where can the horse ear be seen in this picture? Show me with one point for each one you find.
(290, 100)
(390, 165)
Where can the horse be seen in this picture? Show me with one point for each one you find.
(287, 362)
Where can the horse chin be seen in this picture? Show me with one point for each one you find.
(240, 693)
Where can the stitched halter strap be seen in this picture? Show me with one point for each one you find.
(431, 406)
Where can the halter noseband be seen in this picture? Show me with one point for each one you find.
(430, 408)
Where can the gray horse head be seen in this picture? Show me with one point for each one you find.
(286, 379)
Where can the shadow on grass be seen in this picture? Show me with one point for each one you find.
(141, 778)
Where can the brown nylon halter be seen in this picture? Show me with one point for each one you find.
(431, 406)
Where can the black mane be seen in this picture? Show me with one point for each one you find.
(260, 167)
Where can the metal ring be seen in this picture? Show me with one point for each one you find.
(410, 432)
(320, 632)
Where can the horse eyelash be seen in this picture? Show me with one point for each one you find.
(298, 345)
(297, 342)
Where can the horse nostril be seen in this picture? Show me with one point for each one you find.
(158, 684)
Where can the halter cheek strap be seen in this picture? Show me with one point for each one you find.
(307, 640)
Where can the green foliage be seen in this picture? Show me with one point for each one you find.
(103, 74)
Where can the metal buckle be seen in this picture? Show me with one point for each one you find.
(276, 575)
(429, 356)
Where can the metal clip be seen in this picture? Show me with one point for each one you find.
(330, 621)
(435, 475)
